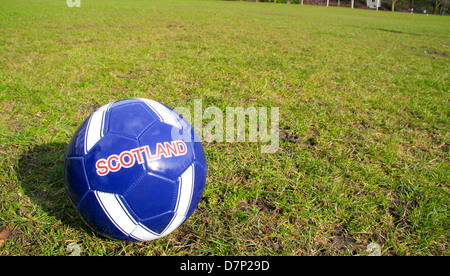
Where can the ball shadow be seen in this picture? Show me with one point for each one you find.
(41, 172)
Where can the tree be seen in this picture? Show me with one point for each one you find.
(393, 4)
(438, 6)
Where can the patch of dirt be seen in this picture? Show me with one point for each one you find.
(399, 211)
(264, 206)
(5, 233)
(311, 136)
(342, 242)
(286, 134)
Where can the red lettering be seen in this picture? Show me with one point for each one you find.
(102, 169)
(127, 159)
(138, 154)
(112, 158)
(181, 147)
(171, 148)
(130, 162)
(148, 154)
(160, 150)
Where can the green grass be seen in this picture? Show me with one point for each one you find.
(364, 122)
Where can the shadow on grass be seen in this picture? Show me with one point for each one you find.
(42, 178)
(396, 32)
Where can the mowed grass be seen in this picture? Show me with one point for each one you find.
(364, 122)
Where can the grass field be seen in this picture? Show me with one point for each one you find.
(364, 122)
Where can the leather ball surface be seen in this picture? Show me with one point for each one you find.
(135, 170)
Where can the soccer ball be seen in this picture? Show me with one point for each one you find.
(135, 170)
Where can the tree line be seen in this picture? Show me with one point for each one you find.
(414, 6)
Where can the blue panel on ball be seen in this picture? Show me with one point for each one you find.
(130, 119)
(111, 166)
(152, 196)
(75, 179)
(167, 158)
(159, 223)
(76, 145)
(199, 185)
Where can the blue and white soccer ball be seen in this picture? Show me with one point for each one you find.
(135, 170)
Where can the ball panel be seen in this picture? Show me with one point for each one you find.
(122, 218)
(152, 196)
(158, 223)
(130, 119)
(163, 225)
(96, 127)
(104, 214)
(167, 158)
(124, 102)
(142, 233)
(76, 144)
(199, 186)
(186, 184)
(112, 166)
(164, 114)
(176, 222)
(75, 179)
